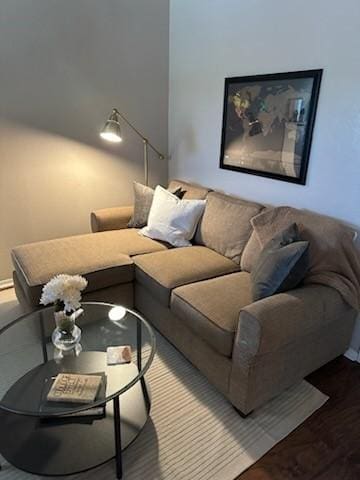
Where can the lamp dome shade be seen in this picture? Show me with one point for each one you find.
(112, 131)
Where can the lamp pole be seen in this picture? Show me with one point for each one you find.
(146, 163)
(114, 119)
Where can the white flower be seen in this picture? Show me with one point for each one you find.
(66, 289)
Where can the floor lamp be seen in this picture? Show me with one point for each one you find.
(112, 133)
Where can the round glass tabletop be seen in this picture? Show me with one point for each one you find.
(28, 365)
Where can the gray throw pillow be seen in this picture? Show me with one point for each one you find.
(282, 264)
(143, 197)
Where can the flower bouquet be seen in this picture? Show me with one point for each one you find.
(64, 291)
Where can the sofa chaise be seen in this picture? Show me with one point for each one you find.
(199, 297)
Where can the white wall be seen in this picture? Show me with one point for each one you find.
(214, 39)
(63, 66)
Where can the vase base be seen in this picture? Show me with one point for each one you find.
(66, 342)
(60, 354)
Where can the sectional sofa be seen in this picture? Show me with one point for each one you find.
(199, 297)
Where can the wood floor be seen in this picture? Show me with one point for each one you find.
(327, 445)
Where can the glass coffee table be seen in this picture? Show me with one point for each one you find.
(59, 439)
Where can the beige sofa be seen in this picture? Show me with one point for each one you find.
(199, 297)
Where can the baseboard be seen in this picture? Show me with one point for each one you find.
(7, 283)
(352, 354)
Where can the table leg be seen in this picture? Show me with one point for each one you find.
(139, 344)
(117, 431)
(43, 338)
(145, 394)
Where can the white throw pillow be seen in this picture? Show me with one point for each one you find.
(171, 219)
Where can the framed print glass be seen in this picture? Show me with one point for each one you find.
(268, 122)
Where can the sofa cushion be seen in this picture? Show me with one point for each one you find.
(103, 258)
(130, 242)
(225, 225)
(160, 272)
(211, 308)
(192, 191)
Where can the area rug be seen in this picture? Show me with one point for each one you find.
(193, 432)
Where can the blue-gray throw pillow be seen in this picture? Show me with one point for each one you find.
(282, 264)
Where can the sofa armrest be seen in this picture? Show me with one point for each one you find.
(114, 218)
(272, 323)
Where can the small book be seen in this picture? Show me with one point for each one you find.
(90, 412)
(117, 355)
(52, 407)
(74, 388)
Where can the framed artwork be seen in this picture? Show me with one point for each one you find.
(268, 122)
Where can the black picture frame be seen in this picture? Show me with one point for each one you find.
(246, 124)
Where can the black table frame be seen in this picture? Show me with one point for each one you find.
(116, 398)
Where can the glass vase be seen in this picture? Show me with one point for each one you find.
(67, 335)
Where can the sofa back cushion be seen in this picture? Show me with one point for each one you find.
(225, 225)
(192, 191)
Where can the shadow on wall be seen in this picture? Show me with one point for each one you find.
(49, 184)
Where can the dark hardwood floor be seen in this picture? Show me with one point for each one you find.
(327, 445)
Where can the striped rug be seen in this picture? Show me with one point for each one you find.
(193, 432)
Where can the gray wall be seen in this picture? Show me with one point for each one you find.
(211, 40)
(64, 65)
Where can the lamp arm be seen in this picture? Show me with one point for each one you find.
(144, 139)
